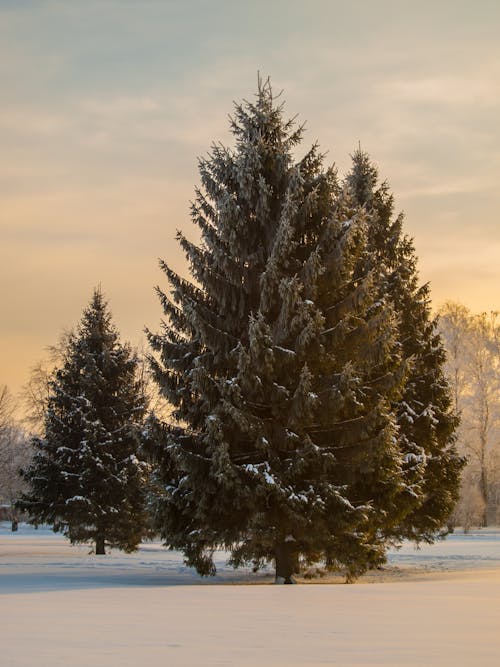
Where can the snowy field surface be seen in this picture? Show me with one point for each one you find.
(63, 607)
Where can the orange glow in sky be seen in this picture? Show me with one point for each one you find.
(107, 105)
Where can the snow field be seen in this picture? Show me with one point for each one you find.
(425, 623)
(61, 607)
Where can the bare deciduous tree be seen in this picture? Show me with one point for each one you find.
(473, 347)
(14, 453)
(7, 407)
(35, 392)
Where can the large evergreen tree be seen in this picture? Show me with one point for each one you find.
(425, 415)
(283, 362)
(86, 478)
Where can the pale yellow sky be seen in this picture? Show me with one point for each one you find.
(106, 106)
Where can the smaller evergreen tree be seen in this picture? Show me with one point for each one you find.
(86, 478)
(426, 419)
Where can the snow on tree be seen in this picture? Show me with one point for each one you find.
(87, 479)
(282, 359)
(426, 414)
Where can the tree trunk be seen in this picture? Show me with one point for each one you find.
(483, 488)
(285, 558)
(99, 545)
(14, 518)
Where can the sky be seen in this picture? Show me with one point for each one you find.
(106, 105)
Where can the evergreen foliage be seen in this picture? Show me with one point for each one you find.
(283, 361)
(86, 478)
(425, 415)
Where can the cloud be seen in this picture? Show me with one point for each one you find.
(119, 106)
(106, 106)
(28, 123)
(464, 89)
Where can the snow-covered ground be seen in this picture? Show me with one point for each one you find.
(63, 607)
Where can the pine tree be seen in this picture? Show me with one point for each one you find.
(282, 361)
(86, 478)
(425, 413)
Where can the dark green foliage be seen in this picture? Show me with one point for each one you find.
(86, 478)
(284, 366)
(425, 416)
